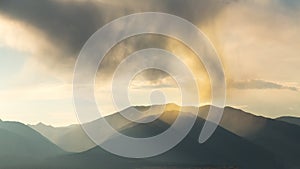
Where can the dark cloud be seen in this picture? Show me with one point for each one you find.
(69, 23)
(260, 84)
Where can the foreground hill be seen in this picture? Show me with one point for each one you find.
(21, 145)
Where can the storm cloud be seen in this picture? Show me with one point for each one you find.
(68, 24)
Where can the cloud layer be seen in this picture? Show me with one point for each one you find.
(69, 24)
(260, 84)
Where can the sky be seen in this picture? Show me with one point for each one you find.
(258, 42)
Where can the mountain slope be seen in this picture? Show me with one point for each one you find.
(70, 138)
(20, 145)
(278, 137)
(222, 149)
(291, 120)
(73, 139)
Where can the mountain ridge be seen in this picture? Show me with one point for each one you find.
(24, 145)
(290, 119)
(223, 149)
(279, 138)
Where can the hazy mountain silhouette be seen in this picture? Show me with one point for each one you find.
(70, 138)
(222, 149)
(73, 139)
(242, 140)
(22, 146)
(281, 138)
(291, 120)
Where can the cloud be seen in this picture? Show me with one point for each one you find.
(260, 84)
(255, 39)
(66, 25)
(152, 81)
(251, 50)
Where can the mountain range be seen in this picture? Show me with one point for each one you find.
(242, 140)
(22, 146)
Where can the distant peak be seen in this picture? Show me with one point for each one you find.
(172, 106)
(42, 124)
(147, 106)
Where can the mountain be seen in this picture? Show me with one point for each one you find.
(22, 146)
(73, 139)
(291, 120)
(222, 149)
(280, 138)
(70, 138)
